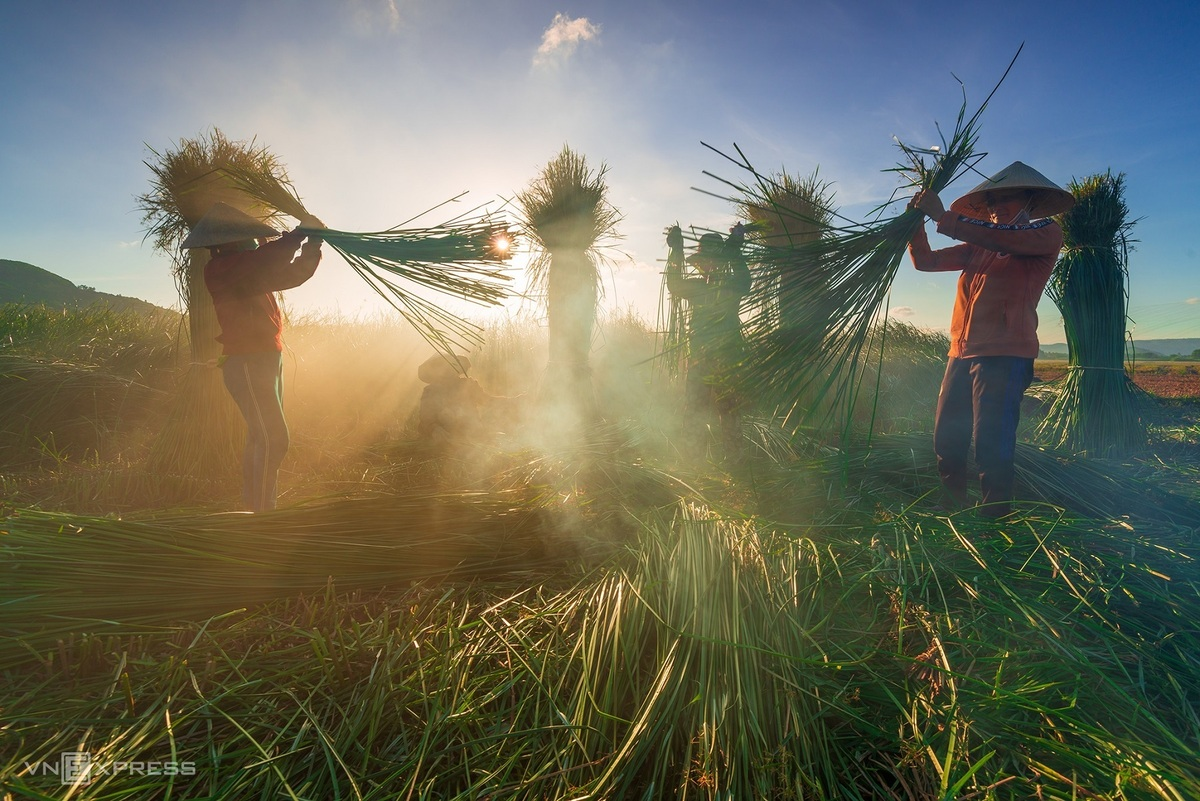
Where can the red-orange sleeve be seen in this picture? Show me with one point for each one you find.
(928, 260)
(1038, 238)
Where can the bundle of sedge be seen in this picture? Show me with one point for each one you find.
(834, 290)
(1098, 407)
(463, 257)
(785, 213)
(569, 221)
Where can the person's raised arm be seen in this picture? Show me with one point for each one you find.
(740, 281)
(676, 283)
(275, 266)
(924, 258)
(1036, 238)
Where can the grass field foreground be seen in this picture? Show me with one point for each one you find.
(602, 618)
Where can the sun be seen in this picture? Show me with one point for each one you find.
(501, 243)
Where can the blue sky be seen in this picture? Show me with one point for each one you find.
(383, 109)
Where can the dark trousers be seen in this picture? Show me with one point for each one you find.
(255, 380)
(981, 400)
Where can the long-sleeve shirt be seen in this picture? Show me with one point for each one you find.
(1004, 272)
(242, 286)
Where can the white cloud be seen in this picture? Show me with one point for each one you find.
(1192, 301)
(562, 37)
(903, 311)
(369, 16)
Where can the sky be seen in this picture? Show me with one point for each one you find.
(382, 109)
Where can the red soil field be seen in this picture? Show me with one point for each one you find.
(1163, 379)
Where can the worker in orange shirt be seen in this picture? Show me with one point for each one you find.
(1009, 246)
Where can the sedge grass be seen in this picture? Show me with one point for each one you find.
(187, 181)
(70, 573)
(1098, 409)
(463, 257)
(203, 434)
(834, 289)
(903, 469)
(785, 212)
(569, 220)
(134, 345)
(911, 658)
(59, 411)
(566, 209)
(905, 655)
(1055, 648)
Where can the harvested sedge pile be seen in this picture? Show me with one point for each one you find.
(1097, 409)
(69, 574)
(463, 257)
(918, 657)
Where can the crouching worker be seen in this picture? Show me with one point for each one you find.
(1009, 249)
(455, 409)
(243, 273)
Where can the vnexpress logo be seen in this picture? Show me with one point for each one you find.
(79, 768)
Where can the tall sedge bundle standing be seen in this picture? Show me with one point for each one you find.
(186, 182)
(786, 212)
(568, 219)
(672, 327)
(203, 434)
(1096, 411)
(463, 258)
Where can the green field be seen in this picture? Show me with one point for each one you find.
(622, 613)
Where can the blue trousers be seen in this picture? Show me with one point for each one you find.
(255, 380)
(980, 399)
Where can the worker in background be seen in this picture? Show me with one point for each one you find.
(714, 339)
(455, 409)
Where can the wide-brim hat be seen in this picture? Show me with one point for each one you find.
(438, 368)
(1048, 197)
(224, 224)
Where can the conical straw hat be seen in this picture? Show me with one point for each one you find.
(224, 224)
(438, 368)
(1048, 197)
(709, 247)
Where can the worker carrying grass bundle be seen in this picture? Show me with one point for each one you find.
(1009, 249)
(243, 273)
(714, 338)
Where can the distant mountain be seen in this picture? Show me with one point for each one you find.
(1142, 348)
(24, 283)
